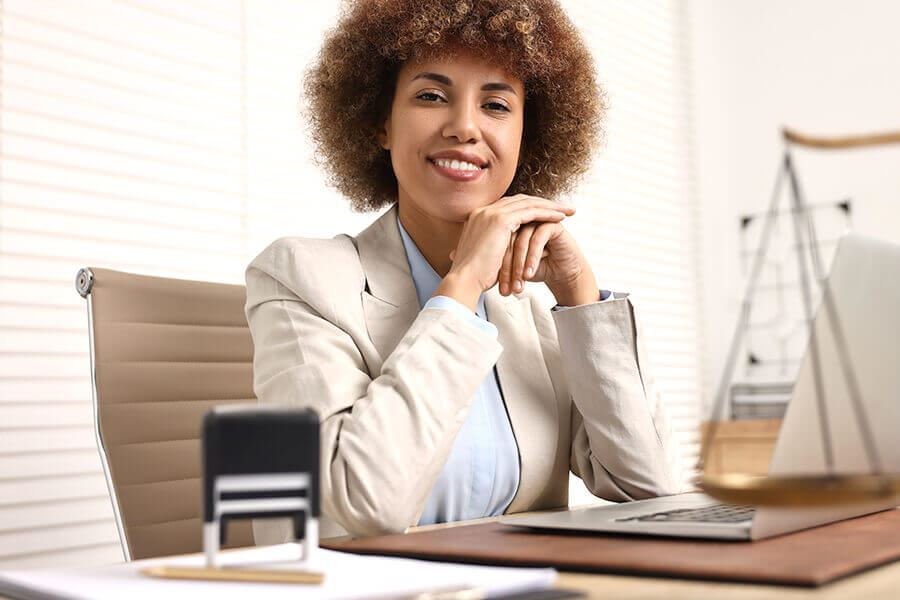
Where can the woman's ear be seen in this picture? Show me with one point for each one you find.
(384, 137)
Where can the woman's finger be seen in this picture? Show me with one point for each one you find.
(519, 254)
(506, 267)
(537, 247)
(532, 202)
(518, 199)
(505, 208)
(517, 218)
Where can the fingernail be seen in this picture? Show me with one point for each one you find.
(518, 285)
(503, 288)
(529, 271)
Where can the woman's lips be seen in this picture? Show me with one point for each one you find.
(455, 174)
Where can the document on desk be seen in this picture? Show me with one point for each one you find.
(346, 576)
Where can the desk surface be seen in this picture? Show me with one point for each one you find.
(882, 582)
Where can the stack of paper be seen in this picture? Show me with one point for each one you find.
(346, 576)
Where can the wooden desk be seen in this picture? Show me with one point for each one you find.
(883, 582)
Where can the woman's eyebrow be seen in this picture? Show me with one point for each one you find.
(488, 87)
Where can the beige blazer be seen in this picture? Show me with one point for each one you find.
(337, 327)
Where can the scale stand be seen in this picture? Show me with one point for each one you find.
(829, 488)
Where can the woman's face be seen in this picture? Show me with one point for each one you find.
(451, 108)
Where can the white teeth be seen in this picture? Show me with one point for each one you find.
(456, 165)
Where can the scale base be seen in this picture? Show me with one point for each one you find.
(800, 490)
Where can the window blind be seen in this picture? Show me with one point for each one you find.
(637, 219)
(153, 136)
(162, 137)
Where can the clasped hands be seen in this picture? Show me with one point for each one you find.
(516, 239)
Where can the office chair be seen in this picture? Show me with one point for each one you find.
(163, 352)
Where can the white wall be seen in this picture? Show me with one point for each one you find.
(823, 67)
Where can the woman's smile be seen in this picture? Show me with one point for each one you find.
(462, 165)
(456, 170)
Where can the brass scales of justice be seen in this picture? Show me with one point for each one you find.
(819, 489)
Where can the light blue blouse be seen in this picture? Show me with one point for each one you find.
(481, 475)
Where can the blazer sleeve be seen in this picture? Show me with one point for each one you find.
(384, 439)
(623, 447)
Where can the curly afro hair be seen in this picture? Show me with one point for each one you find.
(350, 87)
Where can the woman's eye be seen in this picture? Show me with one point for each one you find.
(432, 94)
(502, 106)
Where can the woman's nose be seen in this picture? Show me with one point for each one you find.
(463, 123)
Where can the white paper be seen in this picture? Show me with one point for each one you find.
(346, 576)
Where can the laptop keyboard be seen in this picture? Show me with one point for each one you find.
(716, 513)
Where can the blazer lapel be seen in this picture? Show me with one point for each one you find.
(390, 304)
(529, 394)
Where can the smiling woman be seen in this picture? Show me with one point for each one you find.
(351, 87)
(444, 390)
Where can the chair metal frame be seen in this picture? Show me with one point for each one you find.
(84, 281)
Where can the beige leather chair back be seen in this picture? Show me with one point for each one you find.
(163, 352)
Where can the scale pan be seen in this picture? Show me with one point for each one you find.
(800, 490)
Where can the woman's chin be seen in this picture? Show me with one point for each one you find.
(459, 207)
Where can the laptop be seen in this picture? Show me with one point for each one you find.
(865, 285)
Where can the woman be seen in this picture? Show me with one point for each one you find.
(445, 391)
